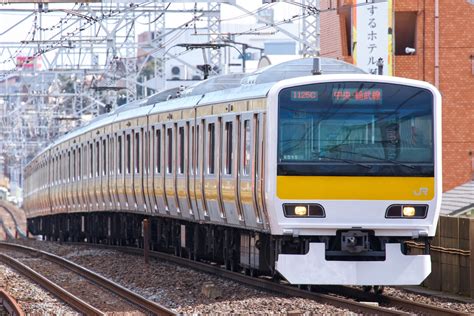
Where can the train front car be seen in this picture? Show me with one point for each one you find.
(356, 164)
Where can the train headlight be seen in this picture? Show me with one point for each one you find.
(303, 210)
(406, 211)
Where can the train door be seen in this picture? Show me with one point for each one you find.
(65, 180)
(147, 170)
(70, 194)
(121, 189)
(260, 168)
(130, 203)
(160, 203)
(229, 154)
(95, 180)
(113, 170)
(72, 206)
(80, 176)
(200, 200)
(212, 169)
(52, 184)
(182, 169)
(192, 159)
(170, 169)
(110, 203)
(104, 172)
(98, 173)
(248, 161)
(139, 202)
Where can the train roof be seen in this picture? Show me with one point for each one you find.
(224, 88)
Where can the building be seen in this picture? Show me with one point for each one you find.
(439, 35)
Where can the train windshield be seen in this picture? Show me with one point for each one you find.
(355, 128)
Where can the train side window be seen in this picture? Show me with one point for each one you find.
(79, 164)
(91, 160)
(53, 171)
(137, 152)
(128, 152)
(181, 150)
(170, 150)
(97, 158)
(158, 151)
(247, 147)
(211, 131)
(120, 164)
(73, 165)
(104, 157)
(69, 166)
(228, 147)
(193, 152)
(111, 155)
(58, 165)
(148, 152)
(257, 137)
(198, 149)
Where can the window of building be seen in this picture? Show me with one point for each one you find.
(405, 33)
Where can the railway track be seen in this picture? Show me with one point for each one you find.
(10, 304)
(351, 297)
(18, 229)
(390, 301)
(105, 289)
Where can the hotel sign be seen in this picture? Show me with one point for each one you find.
(372, 34)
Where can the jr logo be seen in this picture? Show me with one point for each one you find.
(421, 191)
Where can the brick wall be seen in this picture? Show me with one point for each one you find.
(456, 78)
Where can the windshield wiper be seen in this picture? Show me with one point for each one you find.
(395, 162)
(352, 162)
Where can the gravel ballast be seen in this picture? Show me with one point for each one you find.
(180, 288)
(33, 299)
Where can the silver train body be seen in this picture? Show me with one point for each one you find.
(320, 179)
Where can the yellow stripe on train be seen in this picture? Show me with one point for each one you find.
(355, 188)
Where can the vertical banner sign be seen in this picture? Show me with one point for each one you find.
(372, 34)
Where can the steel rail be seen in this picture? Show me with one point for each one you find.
(58, 291)
(418, 308)
(17, 227)
(258, 283)
(121, 291)
(10, 304)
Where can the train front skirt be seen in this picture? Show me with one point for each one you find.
(313, 268)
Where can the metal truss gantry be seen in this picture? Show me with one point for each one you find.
(311, 28)
(83, 58)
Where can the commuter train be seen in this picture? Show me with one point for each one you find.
(310, 170)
